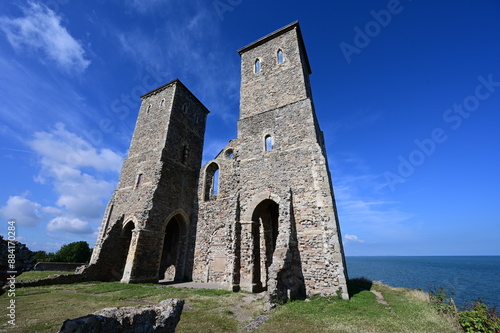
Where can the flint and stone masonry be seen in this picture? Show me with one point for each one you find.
(260, 216)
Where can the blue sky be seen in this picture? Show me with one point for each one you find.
(407, 93)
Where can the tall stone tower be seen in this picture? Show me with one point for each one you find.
(149, 226)
(267, 216)
(260, 216)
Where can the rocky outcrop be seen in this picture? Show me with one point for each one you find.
(163, 318)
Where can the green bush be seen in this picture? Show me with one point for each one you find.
(441, 301)
(73, 252)
(42, 256)
(479, 318)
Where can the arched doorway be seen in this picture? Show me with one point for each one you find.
(264, 234)
(171, 263)
(123, 248)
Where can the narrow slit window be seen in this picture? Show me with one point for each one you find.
(162, 104)
(149, 108)
(280, 57)
(257, 66)
(139, 181)
(185, 154)
(269, 143)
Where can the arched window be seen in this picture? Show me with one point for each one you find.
(280, 56)
(257, 66)
(211, 182)
(149, 108)
(162, 104)
(269, 142)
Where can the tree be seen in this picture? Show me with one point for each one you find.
(42, 256)
(74, 252)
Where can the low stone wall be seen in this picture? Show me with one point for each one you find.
(57, 266)
(53, 279)
(81, 275)
(163, 318)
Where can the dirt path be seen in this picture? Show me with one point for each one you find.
(380, 298)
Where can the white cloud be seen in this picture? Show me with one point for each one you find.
(77, 170)
(83, 194)
(353, 238)
(70, 225)
(24, 211)
(69, 151)
(40, 30)
(53, 211)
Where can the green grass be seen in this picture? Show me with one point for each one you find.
(35, 275)
(406, 312)
(44, 309)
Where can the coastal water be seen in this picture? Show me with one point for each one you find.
(466, 278)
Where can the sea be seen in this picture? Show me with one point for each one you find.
(466, 278)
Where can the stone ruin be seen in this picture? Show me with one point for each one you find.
(23, 260)
(260, 216)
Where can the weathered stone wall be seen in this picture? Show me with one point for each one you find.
(23, 256)
(23, 260)
(158, 183)
(276, 84)
(57, 266)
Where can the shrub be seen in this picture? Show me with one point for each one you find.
(479, 318)
(74, 252)
(441, 301)
(43, 256)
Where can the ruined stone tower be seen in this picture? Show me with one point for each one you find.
(260, 216)
(148, 226)
(272, 222)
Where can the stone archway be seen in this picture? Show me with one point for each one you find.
(173, 254)
(264, 235)
(124, 247)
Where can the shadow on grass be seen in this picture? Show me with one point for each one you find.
(357, 285)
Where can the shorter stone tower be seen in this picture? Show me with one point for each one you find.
(148, 231)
